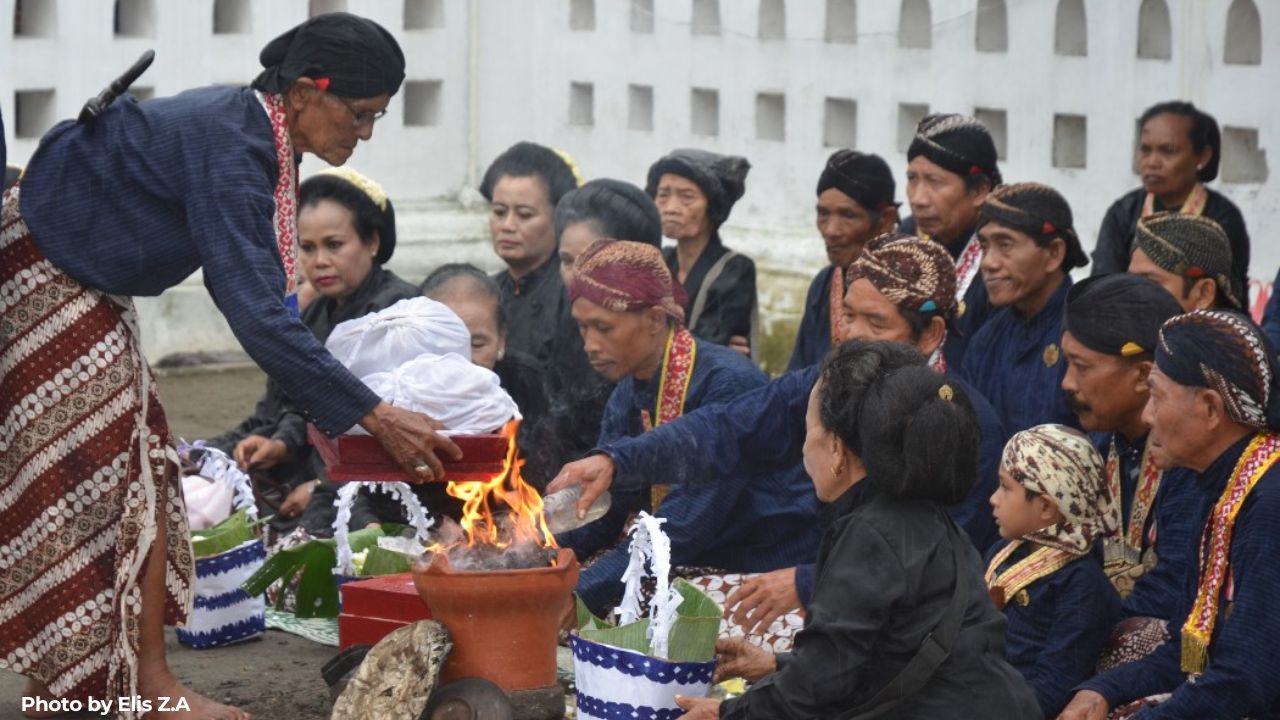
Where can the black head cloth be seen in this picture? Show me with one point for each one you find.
(1119, 314)
(958, 143)
(1038, 211)
(358, 56)
(722, 178)
(862, 176)
(1223, 350)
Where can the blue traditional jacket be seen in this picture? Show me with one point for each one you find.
(1055, 639)
(139, 199)
(740, 519)
(1017, 365)
(1242, 678)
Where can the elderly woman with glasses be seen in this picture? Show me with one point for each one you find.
(95, 546)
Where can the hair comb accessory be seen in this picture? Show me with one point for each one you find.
(946, 393)
(928, 306)
(1047, 228)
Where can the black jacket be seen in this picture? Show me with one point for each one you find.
(1115, 237)
(885, 574)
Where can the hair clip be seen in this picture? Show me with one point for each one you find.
(946, 393)
(928, 306)
(1047, 228)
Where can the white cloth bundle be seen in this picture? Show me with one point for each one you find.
(416, 355)
(387, 339)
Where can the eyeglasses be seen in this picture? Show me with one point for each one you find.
(362, 117)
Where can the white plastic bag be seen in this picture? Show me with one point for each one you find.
(385, 340)
(467, 398)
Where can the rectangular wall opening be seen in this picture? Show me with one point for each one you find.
(840, 123)
(422, 103)
(582, 104)
(640, 107)
(704, 111)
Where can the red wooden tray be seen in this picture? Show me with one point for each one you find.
(355, 458)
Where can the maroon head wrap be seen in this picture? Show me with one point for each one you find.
(625, 276)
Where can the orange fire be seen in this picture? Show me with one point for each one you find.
(525, 520)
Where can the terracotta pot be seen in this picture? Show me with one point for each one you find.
(504, 623)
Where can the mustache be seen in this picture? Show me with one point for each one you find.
(1076, 406)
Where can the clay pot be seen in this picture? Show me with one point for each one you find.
(504, 623)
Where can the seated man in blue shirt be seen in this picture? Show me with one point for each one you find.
(902, 290)
(1028, 250)
(633, 330)
(1109, 340)
(1214, 408)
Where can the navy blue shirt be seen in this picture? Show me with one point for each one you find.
(813, 341)
(1177, 517)
(148, 193)
(764, 430)
(1055, 639)
(749, 519)
(1242, 677)
(1017, 364)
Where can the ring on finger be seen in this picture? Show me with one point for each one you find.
(422, 469)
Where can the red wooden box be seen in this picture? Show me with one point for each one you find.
(372, 608)
(352, 458)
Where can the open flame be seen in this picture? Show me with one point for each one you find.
(523, 522)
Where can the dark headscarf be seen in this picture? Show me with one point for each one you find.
(1223, 350)
(957, 143)
(1190, 246)
(864, 177)
(914, 274)
(619, 210)
(357, 55)
(1038, 211)
(1118, 314)
(722, 178)
(624, 276)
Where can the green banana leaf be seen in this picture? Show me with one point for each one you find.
(634, 636)
(692, 637)
(313, 563)
(381, 561)
(586, 617)
(224, 536)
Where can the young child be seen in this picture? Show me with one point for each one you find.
(1053, 501)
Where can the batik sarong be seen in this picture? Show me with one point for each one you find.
(86, 471)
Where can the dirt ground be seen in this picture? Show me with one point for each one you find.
(274, 678)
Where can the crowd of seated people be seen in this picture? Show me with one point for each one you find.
(1083, 451)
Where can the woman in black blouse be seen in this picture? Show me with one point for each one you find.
(900, 624)
(694, 191)
(1178, 152)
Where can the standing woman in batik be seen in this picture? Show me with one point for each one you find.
(95, 550)
(1178, 152)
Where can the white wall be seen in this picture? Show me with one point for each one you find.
(506, 68)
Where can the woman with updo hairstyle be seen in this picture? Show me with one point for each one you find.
(346, 231)
(523, 186)
(1179, 150)
(900, 624)
(603, 209)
